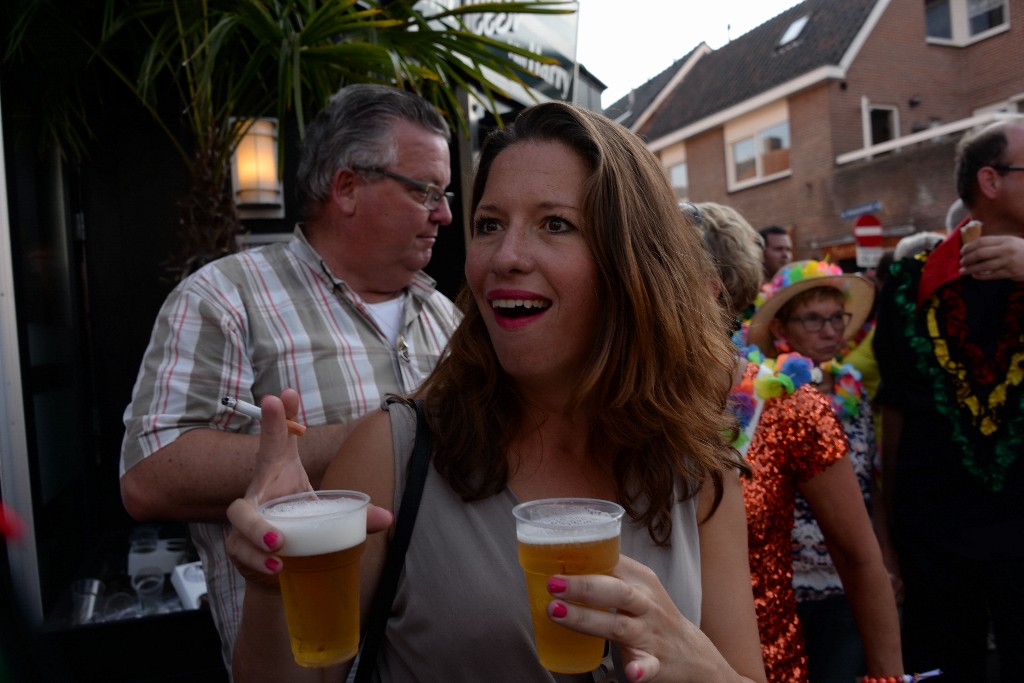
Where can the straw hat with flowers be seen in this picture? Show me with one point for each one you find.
(800, 276)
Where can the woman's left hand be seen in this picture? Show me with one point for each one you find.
(657, 641)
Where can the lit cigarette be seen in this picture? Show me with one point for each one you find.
(249, 410)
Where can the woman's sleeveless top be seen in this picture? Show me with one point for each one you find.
(461, 611)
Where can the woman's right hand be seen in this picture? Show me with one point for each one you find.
(278, 472)
(252, 541)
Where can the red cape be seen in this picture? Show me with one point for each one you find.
(942, 266)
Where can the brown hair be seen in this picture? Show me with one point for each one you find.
(658, 374)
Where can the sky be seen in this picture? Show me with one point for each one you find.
(625, 43)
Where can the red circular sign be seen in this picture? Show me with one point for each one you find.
(867, 230)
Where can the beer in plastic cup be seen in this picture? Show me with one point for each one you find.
(565, 536)
(324, 535)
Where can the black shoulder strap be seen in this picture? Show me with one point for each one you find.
(419, 464)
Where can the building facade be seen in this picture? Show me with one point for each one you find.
(832, 110)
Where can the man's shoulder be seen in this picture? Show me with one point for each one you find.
(441, 305)
(435, 309)
(424, 288)
(262, 258)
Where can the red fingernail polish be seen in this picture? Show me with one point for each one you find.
(639, 674)
(272, 564)
(269, 539)
(559, 610)
(556, 584)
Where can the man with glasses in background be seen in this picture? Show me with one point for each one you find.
(950, 348)
(342, 313)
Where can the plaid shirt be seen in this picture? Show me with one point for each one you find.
(255, 323)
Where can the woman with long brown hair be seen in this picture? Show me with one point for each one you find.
(592, 362)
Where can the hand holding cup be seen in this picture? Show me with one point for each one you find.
(565, 536)
(324, 533)
(260, 548)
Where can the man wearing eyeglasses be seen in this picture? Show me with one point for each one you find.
(343, 313)
(950, 348)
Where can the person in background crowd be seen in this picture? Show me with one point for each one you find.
(592, 361)
(907, 247)
(794, 444)
(342, 313)
(811, 308)
(778, 250)
(950, 345)
(857, 351)
(955, 215)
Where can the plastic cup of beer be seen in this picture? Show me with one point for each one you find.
(568, 536)
(324, 535)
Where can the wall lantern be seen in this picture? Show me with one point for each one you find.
(258, 190)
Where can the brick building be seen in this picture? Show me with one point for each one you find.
(833, 109)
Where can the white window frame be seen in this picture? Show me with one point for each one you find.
(754, 126)
(961, 27)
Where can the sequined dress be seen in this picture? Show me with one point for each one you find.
(797, 437)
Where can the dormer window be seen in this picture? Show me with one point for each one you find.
(793, 32)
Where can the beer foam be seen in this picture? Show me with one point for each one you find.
(318, 526)
(573, 527)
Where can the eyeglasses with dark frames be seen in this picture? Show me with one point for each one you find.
(816, 323)
(432, 194)
(1006, 169)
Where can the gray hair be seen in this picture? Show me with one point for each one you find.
(737, 250)
(355, 129)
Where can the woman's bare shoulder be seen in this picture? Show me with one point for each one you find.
(365, 460)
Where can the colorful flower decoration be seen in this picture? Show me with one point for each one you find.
(790, 371)
(793, 273)
(743, 403)
(847, 388)
(748, 351)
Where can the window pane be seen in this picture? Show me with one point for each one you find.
(793, 32)
(680, 180)
(882, 125)
(776, 137)
(775, 149)
(744, 154)
(938, 19)
(985, 14)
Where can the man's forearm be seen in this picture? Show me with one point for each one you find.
(195, 478)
